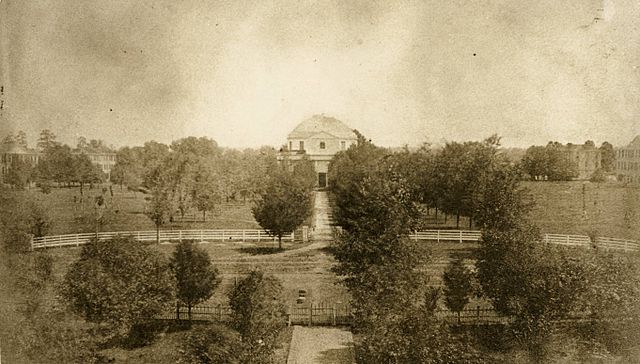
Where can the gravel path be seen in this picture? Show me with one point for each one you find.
(321, 345)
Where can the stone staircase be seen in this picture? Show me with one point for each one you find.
(323, 220)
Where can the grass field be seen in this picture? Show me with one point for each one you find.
(604, 209)
(125, 211)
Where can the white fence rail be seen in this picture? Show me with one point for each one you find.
(447, 235)
(557, 239)
(261, 235)
(165, 235)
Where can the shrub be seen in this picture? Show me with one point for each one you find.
(211, 344)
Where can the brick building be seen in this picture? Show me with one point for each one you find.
(628, 162)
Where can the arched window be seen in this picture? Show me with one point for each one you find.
(322, 145)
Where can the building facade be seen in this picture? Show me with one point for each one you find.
(586, 157)
(11, 153)
(318, 138)
(102, 159)
(628, 162)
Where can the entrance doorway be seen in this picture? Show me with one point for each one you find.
(322, 180)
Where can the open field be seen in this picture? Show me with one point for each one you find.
(604, 209)
(125, 211)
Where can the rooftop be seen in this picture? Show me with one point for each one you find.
(320, 123)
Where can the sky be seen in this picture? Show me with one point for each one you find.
(245, 73)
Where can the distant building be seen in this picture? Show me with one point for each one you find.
(628, 162)
(319, 138)
(586, 157)
(9, 153)
(104, 159)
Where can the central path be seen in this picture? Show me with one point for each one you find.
(322, 230)
(321, 345)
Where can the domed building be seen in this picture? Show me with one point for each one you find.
(319, 138)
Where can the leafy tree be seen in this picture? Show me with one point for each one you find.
(19, 174)
(118, 282)
(534, 283)
(457, 286)
(159, 209)
(608, 157)
(283, 205)
(205, 191)
(211, 344)
(305, 172)
(21, 218)
(46, 140)
(259, 314)
(196, 277)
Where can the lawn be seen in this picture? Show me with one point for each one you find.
(604, 209)
(72, 213)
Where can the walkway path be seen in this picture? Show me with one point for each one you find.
(323, 230)
(321, 345)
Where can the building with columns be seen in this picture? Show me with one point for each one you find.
(318, 138)
(628, 162)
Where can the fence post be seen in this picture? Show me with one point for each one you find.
(180, 236)
(567, 238)
(461, 236)
(178, 310)
(438, 236)
(77, 240)
(311, 314)
(201, 238)
(258, 235)
(333, 314)
(289, 315)
(243, 235)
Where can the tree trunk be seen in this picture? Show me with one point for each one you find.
(279, 241)
(458, 219)
(470, 222)
(81, 188)
(178, 310)
(189, 311)
(204, 215)
(436, 214)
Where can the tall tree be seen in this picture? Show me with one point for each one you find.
(608, 157)
(196, 277)
(457, 286)
(258, 314)
(119, 282)
(46, 140)
(159, 209)
(283, 205)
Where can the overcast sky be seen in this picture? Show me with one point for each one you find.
(246, 72)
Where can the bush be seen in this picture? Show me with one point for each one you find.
(211, 344)
(118, 282)
(259, 314)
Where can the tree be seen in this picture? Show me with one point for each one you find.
(305, 172)
(205, 190)
(46, 140)
(21, 139)
(258, 314)
(196, 277)
(608, 157)
(283, 205)
(118, 282)
(534, 283)
(211, 344)
(19, 174)
(457, 286)
(159, 209)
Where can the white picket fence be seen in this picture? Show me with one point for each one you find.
(557, 239)
(447, 235)
(261, 235)
(165, 235)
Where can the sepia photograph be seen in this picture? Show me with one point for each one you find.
(319, 181)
